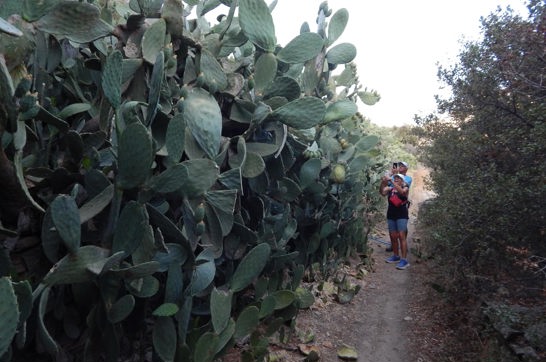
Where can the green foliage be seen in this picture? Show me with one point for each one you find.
(9, 313)
(487, 160)
(165, 164)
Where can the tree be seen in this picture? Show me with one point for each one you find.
(488, 156)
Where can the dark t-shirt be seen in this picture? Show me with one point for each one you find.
(395, 213)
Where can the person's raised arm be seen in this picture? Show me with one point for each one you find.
(383, 188)
(402, 189)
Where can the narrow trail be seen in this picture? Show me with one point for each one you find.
(379, 322)
(388, 293)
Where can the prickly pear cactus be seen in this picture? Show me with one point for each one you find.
(9, 314)
(174, 170)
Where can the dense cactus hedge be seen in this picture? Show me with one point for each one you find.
(166, 181)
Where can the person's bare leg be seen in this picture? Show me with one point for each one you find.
(403, 244)
(394, 235)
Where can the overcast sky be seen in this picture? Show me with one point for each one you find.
(399, 43)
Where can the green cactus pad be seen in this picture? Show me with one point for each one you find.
(253, 166)
(358, 163)
(166, 310)
(9, 314)
(268, 306)
(176, 131)
(232, 179)
(173, 13)
(145, 287)
(73, 109)
(174, 286)
(250, 267)
(367, 143)
(66, 218)
(170, 180)
(304, 297)
(77, 21)
(171, 233)
(214, 76)
(290, 190)
(223, 204)
(339, 110)
(135, 156)
(246, 323)
(327, 229)
(98, 203)
(129, 67)
(153, 40)
(302, 113)
(23, 291)
(74, 268)
(138, 271)
(164, 338)
(10, 7)
(130, 228)
(302, 48)
(309, 172)
(201, 174)
(192, 149)
(337, 25)
(121, 309)
(286, 87)
(204, 119)
(203, 273)
(205, 348)
(111, 78)
(8, 111)
(149, 8)
(226, 335)
(101, 267)
(261, 149)
(49, 118)
(341, 54)
(51, 240)
(347, 78)
(175, 255)
(369, 98)
(347, 154)
(265, 71)
(156, 80)
(220, 309)
(257, 23)
(43, 334)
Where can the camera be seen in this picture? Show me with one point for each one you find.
(395, 165)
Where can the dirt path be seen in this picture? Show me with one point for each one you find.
(386, 321)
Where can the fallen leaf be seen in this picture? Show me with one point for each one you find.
(306, 349)
(347, 353)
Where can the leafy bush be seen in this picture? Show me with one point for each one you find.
(167, 182)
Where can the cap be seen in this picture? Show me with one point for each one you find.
(401, 176)
(403, 163)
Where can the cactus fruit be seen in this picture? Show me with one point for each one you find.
(200, 228)
(199, 213)
(344, 143)
(338, 173)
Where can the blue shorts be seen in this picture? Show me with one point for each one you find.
(398, 224)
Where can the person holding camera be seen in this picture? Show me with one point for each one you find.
(397, 217)
(403, 169)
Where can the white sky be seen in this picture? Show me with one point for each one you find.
(398, 45)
